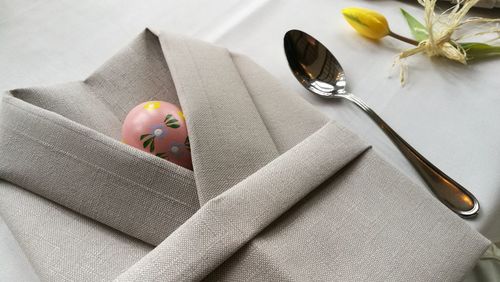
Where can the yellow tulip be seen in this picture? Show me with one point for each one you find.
(367, 22)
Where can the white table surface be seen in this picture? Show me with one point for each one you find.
(449, 112)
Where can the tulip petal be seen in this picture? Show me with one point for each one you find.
(367, 22)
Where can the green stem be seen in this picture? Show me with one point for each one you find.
(402, 38)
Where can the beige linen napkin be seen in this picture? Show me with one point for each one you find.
(278, 192)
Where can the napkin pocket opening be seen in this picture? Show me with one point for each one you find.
(84, 170)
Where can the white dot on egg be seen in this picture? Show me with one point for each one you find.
(158, 132)
(174, 149)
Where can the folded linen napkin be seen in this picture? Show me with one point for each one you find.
(278, 192)
(15, 266)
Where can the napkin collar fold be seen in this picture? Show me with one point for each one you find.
(228, 137)
(239, 119)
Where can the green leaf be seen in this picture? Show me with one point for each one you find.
(417, 29)
(152, 147)
(161, 155)
(173, 123)
(147, 142)
(477, 50)
(169, 116)
(144, 136)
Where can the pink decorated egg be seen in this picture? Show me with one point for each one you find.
(158, 128)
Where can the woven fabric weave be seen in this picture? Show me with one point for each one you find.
(278, 192)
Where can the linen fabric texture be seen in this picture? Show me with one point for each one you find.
(278, 192)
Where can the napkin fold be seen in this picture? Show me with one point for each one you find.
(227, 222)
(278, 192)
(62, 143)
(15, 265)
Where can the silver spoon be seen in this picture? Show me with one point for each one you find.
(319, 72)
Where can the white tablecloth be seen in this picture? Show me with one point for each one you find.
(449, 112)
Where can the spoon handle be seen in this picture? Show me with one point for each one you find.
(447, 190)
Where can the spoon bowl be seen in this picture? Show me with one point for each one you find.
(313, 65)
(318, 71)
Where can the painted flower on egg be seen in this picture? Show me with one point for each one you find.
(158, 132)
(158, 128)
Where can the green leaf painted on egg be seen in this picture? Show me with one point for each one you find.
(170, 121)
(187, 144)
(147, 142)
(161, 155)
(152, 147)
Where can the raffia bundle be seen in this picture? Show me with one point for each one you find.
(445, 30)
